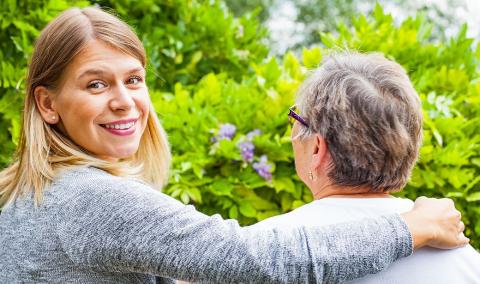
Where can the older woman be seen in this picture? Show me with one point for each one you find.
(356, 137)
(79, 199)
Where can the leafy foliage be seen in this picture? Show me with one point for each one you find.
(207, 69)
(309, 17)
(447, 83)
(186, 40)
(213, 174)
(20, 24)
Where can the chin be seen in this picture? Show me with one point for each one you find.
(123, 153)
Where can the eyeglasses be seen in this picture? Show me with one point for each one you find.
(292, 116)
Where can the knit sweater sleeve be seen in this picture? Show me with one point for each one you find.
(118, 224)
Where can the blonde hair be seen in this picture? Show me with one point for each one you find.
(43, 151)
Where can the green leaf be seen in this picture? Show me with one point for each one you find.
(233, 212)
(246, 209)
(473, 197)
(221, 187)
(328, 40)
(184, 197)
(194, 194)
(297, 203)
(311, 57)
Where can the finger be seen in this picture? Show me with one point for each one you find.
(421, 198)
(462, 240)
(458, 215)
(448, 201)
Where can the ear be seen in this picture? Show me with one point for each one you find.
(320, 154)
(44, 100)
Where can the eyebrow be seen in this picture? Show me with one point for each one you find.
(102, 72)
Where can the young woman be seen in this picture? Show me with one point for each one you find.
(79, 200)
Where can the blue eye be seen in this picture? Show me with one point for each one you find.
(96, 85)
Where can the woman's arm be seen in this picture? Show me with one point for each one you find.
(121, 225)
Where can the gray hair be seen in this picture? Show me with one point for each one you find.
(368, 112)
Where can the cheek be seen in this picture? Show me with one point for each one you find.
(297, 153)
(300, 154)
(78, 115)
(143, 105)
(84, 112)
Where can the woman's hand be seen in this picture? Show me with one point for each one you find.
(435, 223)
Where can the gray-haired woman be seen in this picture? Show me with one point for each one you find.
(356, 137)
(79, 199)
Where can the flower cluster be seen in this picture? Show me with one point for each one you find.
(263, 168)
(253, 133)
(226, 131)
(247, 148)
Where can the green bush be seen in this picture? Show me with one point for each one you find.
(217, 178)
(20, 24)
(213, 174)
(186, 40)
(208, 72)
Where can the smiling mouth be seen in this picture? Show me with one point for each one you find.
(119, 126)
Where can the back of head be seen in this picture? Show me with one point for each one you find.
(368, 112)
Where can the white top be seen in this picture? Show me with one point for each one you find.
(426, 265)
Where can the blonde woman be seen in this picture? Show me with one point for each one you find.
(80, 202)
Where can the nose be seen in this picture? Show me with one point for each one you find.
(122, 99)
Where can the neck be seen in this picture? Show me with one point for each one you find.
(330, 190)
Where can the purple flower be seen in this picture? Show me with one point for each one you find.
(247, 150)
(253, 133)
(227, 131)
(263, 168)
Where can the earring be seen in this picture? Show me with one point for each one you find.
(310, 175)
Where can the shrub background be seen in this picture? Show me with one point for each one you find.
(208, 68)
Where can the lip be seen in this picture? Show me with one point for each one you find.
(122, 132)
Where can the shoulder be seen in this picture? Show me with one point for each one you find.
(88, 186)
(329, 211)
(296, 218)
(91, 177)
(437, 266)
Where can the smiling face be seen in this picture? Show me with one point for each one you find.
(102, 101)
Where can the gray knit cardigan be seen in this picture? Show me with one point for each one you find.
(93, 227)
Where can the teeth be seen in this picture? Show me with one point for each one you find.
(120, 126)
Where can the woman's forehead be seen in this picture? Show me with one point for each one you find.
(98, 57)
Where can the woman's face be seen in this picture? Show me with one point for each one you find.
(103, 102)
